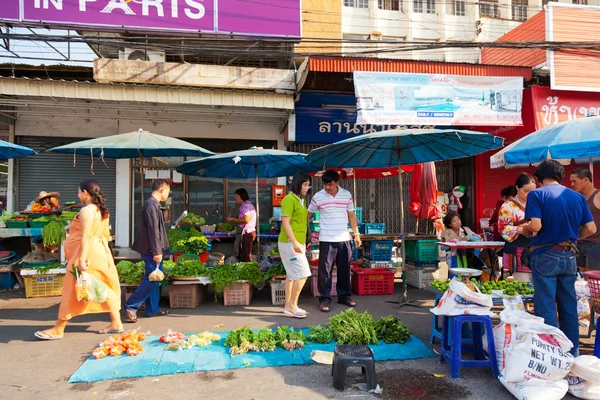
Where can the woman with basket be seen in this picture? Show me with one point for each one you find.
(292, 243)
(86, 250)
(511, 221)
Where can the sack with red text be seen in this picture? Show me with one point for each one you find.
(459, 300)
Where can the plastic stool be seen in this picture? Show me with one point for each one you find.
(345, 356)
(435, 331)
(453, 353)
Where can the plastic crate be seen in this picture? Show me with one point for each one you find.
(7, 280)
(372, 281)
(424, 264)
(425, 250)
(375, 228)
(593, 279)
(378, 250)
(237, 294)
(126, 292)
(314, 227)
(314, 282)
(17, 224)
(44, 285)
(278, 292)
(187, 295)
(359, 213)
(40, 264)
(38, 224)
(419, 278)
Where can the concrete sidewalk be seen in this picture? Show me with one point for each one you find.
(32, 369)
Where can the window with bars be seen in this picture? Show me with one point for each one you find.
(580, 2)
(489, 8)
(430, 6)
(418, 6)
(357, 3)
(392, 5)
(519, 10)
(460, 7)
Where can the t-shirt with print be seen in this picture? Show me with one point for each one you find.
(247, 209)
(562, 211)
(294, 207)
(333, 214)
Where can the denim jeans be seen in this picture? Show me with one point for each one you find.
(148, 292)
(554, 274)
(590, 255)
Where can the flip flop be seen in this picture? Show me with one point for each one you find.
(294, 314)
(348, 302)
(131, 316)
(161, 314)
(107, 331)
(324, 307)
(43, 335)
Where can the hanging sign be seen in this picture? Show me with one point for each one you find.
(384, 98)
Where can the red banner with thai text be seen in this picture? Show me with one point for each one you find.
(553, 106)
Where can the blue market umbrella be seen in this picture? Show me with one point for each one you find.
(577, 140)
(253, 163)
(133, 145)
(11, 150)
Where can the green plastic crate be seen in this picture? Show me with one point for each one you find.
(17, 224)
(38, 224)
(422, 250)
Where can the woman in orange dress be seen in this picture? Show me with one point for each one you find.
(86, 249)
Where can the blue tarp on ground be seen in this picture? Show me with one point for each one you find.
(155, 360)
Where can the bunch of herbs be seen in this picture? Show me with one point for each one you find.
(320, 334)
(130, 273)
(288, 338)
(350, 327)
(188, 269)
(391, 330)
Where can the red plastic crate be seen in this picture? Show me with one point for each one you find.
(370, 281)
(593, 278)
(314, 284)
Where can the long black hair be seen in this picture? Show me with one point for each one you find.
(522, 180)
(93, 188)
(297, 182)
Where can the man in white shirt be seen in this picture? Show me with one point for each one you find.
(336, 208)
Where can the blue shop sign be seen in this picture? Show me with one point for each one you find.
(329, 118)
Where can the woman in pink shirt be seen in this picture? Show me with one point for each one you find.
(246, 225)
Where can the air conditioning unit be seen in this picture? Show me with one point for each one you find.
(141, 55)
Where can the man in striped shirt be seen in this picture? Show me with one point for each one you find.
(336, 208)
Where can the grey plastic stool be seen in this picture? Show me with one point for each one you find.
(345, 356)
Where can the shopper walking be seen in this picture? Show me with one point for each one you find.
(152, 244)
(559, 216)
(336, 208)
(292, 242)
(86, 249)
(589, 248)
(246, 231)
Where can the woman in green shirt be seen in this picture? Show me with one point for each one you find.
(292, 242)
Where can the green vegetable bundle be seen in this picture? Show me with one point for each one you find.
(54, 233)
(288, 338)
(350, 327)
(320, 334)
(392, 330)
(225, 227)
(193, 245)
(241, 341)
(130, 273)
(226, 274)
(174, 236)
(188, 269)
(276, 270)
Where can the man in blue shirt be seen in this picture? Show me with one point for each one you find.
(560, 216)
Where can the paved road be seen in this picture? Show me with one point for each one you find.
(31, 369)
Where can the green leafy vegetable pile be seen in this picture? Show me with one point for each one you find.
(130, 273)
(350, 327)
(276, 270)
(225, 227)
(43, 269)
(174, 236)
(188, 269)
(226, 274)
(193, 245)
(288, 338)
(241, 341)
(320, 334)
(392, 330)
(54, 233)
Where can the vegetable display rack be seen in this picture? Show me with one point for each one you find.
(44, 285)
(188, 295)
(278, 291)
(372, 281)
(237, 294)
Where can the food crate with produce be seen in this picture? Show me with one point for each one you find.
(421, 250)
(43, 285)
(378, 250)
(372, 281)
(237, 294)
(186, 294)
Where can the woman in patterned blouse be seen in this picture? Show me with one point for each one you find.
(511, 221)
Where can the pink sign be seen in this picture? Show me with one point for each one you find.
(247, 17)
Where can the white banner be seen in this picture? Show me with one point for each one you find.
(384, 98)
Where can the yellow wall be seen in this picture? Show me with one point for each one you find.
(321, 19)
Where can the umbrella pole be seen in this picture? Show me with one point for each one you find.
(257, 213)
(142, 176)
(354, 176)
(591, 167)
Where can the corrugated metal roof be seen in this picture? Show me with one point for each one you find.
(144, 93)
(351, 64)
(532, 30)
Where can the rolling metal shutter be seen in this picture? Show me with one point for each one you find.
(54, 172)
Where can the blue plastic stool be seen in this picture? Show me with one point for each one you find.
(597, 341)
(436, 331)
(452, 353)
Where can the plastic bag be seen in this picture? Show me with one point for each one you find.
(583, 308)
(90, 289)
(157, 275)
(459, 300)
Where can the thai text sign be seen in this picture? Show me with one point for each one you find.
(384, 98)
(265, 17)
(553, 106)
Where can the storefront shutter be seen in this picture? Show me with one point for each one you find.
(54, 172)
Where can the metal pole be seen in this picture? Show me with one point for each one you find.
(591, 167)
(142, 176)
(257, 211)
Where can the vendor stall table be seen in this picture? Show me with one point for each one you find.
(220, 235)
(461, 246)
(19, 232)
